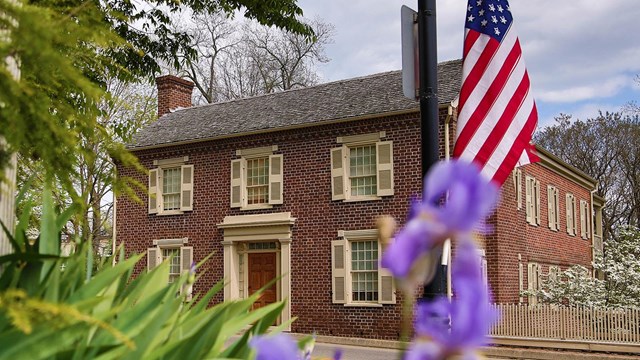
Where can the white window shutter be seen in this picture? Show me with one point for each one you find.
(237, 183)
(550, 208)
(583, 229)
(186, 193)
(154, 197)
(338, 272)
(384, 167)
(529, 202)
(338, 174)
(386, 283)
(186, 258)
(537, 214)
(568, 206)
(556, 206)
(154, 258)
(587, 218)
(275, 179)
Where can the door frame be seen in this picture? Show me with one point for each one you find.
(239, 231)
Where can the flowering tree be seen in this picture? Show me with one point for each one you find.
(620, 287)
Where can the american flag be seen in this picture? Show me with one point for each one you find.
(497, 112)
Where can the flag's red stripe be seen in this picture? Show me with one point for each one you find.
(521, 144)
(500, 128)
(469, 40)
(494, 90)
(474, 76)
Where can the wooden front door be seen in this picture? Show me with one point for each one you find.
(262, 270)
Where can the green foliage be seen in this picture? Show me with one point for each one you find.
(50, 307)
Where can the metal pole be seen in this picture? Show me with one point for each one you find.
(428, 46)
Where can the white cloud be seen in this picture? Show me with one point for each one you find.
(578, 50)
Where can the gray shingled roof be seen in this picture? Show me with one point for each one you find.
(369, 95)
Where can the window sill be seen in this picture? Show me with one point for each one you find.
(372, 305)
(256, 207)
(359, 199)
(168, 213)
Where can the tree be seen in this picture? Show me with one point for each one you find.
(126, 108)
(236, 61)
(65, 50)
(605, 147)
(621, 268)
(621, 284)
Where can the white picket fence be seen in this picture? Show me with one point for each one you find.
(568, 324)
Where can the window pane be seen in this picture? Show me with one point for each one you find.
(364, 274)
(171, 179)
(362, 170)
(258, 181)
(173, 254)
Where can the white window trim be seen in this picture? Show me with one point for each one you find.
(349, 142)
(159, 245)
(165, 164)
(347, 237)
(517, 185)
(255, 153)
(553, 206)
(571, 215)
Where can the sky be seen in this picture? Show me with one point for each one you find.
(582, 55)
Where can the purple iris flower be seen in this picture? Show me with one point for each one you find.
(275, 347)
(470, 312)
(469, 200)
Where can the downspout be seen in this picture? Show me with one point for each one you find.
(446, 255)
(593, 232)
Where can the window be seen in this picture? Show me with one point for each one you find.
(172, 255)
(362, 168)
(517, 184)
(364, 271)
(256, 178)
(171, 187)
(178, 256)
(571, 214)
(553, 207)
(532, 200)
(357, 278)
(584, 219)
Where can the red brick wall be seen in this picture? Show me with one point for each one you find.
(538, 244)
(307, 195)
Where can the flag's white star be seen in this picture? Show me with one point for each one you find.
(497, 31)
(494, 19)
(503, 19)
(481, 12)
(492, 7)
(470, 7)
(479, 2)
(500, 8)
(484, 22)
(471, 18)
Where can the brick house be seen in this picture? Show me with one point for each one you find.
(290, 184)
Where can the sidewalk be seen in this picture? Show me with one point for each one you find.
(371, 349)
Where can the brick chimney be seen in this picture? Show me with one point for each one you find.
(173, 92)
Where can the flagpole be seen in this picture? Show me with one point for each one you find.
(429, 121)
